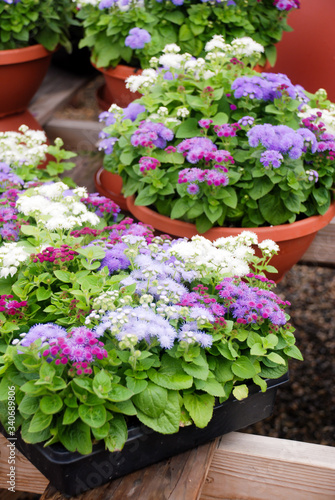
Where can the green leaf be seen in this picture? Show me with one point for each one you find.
(76, 437)
(223, 372)
(168, 420)
(94, 416)
(39, 422)
(119, 393)
(43, 293)
(200, 408)
(220, 119)
(118, 434)
(102, 383)
(135, 385)
(189, 128)
(33, 437)
(257, 350)
(212, 386)
(261, 187)
(70, 416)
(179, 209)
(273, 210)
(152, 401)
(51, 404)
(240, 392)
(171, 375)
(101, 432)
(243, 368)
(64, 276)
(144, 198)
(276, 358)
(293, 352)
(198, 368)
(29, 404)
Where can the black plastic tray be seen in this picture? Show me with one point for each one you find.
(72, 473)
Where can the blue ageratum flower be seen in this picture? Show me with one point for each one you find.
(137, 38)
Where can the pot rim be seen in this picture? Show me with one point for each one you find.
(16, 56)
(282, 232)
(121, 71)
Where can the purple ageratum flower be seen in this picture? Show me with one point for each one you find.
(106, 4)
(190, 334)
(9, 232)
(312, 175)
(132, 111)
(193, 189)
(178, 3)
(197, 148)
(246, 121)
(205, 123)
(267, 87)
(216, 178)
(148, 163)
(286, 4)
(5, 168)
(151, 134)
(115, 259)
(271, 158)
(282, 138)
(226, 130)
(101, 204)
(137, 38)
(108, 145)
(45, 332)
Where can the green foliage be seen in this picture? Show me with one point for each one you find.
(28, 22)
(189, 25)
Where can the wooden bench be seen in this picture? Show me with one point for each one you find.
(235, 466)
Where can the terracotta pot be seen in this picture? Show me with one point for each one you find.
(13, 122)
(110, 185)
(115, 91)
(293, 239)
(307, 54)
(21, 74)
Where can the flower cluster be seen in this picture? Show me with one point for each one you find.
(12, 307)
(232, 157)
(102, 206)
(144, 27)
(28, 23)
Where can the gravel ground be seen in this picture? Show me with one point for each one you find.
(305, 407)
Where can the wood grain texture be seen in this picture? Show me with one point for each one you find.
(27, 477)
(178, 478)
(259, 468)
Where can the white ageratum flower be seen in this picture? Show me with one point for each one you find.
(11, 257)
(162, 111)
(268, 247)
(137, 82)
(217, 42)
(171, 48)
(25, 147)
(48, 205)
(202, 256)
(183, 112)
(171, 60)
(245, 47)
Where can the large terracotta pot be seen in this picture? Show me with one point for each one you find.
(110, 185)
(115, 91)
(293, 239)
(307, 54)
(21, 74)
(13, 122)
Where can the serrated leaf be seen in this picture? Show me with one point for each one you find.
(168, 420)
(243, 368)
(200, 408)
(293, 352)
(70, 416)
(93, 416)
(39, 422)
(76, 437)
(29, 404)
(51, 404)
(276, 358)
(240, 391)
(117, 435)
(152, 400)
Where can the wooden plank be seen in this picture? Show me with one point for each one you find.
(78, 135)
(250, 467)
(57, 89)
(178, 478)
(27, 477)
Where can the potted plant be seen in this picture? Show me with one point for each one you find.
(220, 147)
(29, 33)
(123, 36)
(110, 335)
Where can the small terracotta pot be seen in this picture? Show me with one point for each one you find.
(21, 74)
(115, 91)
(293, 239)
(13, 122)
(110, 185)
